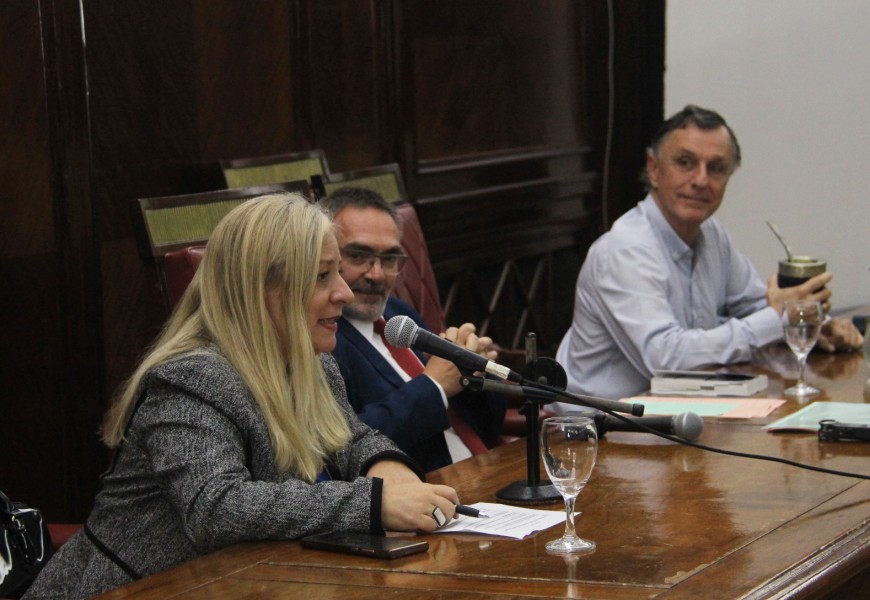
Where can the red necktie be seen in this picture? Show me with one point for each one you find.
(411, 365)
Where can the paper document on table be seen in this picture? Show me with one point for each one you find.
(807, 418)
(508, 521)
(729, 408)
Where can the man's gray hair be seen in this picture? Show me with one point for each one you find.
(702, 118)
(358, 197)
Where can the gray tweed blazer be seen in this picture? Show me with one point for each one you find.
(196, 473)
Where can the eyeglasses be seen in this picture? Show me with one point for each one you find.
(391, 263)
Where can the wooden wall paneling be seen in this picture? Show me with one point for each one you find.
(499, 157)
(141, 82)
(79, 312)
(638, 102)
(249, 78)
(491, 75)
(350, 96)
(31, 344)
(497, 268)
(538, 213)
(144, 132)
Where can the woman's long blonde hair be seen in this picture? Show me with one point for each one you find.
(273, 241)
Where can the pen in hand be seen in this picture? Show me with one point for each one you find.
(468, 511)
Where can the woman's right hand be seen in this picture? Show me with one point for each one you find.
(409, 506)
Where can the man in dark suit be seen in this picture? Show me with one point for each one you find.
(422, 408)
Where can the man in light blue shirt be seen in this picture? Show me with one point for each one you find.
(666, 288)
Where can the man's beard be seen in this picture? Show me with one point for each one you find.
(365, 311)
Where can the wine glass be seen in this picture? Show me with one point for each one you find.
(569, 445)
(801, 323)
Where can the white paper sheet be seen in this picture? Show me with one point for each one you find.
(508, 521)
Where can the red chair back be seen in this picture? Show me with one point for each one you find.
(179, 267)
(416, 284)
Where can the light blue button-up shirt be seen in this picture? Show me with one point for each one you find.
(647, 301)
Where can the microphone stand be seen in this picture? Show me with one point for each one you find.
(547, 372)
(532, 490)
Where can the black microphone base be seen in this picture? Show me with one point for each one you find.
(522, 492)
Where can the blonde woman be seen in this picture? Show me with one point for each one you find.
(236, 426)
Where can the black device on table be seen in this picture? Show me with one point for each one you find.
(366, 544)
(834, 431)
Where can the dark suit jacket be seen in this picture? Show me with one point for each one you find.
(411, 413)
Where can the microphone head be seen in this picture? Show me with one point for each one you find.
(401, 331)
(688, 426)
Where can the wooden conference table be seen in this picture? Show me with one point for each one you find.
(670, 521)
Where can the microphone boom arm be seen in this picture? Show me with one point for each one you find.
(545, 394)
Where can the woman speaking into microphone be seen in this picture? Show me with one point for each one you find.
(235, 426)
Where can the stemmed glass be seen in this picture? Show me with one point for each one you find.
(801, 323)
(569, 446)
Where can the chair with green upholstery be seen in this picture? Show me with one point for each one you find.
(263, 170)
(168, 224)
(386, 180)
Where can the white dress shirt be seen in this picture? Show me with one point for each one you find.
(647, 301)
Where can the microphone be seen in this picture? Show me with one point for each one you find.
(403, 332)
(687, 425)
